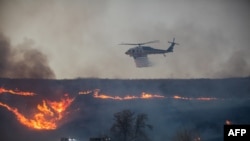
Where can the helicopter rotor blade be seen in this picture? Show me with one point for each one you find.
(173, 42)
(127, 44)
(155, 41)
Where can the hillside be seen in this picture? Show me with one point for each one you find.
(89, 116)
(232, 87)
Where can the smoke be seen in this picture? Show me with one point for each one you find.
(84, 36)
(236, 65)
(22, 61)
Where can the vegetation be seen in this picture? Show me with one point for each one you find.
(129, 127)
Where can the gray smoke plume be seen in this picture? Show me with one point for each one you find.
(23, 61)
(213, 36)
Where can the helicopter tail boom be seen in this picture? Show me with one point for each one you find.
(171, 47)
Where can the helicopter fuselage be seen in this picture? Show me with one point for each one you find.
(143, 51)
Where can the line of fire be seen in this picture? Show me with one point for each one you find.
(97, 94)
(16, 92)
(49, 113)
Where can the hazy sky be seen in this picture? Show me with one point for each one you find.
(81, 37)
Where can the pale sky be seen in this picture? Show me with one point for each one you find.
(81, 37)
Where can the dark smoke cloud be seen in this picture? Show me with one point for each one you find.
(23, 61)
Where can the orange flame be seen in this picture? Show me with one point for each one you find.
(144, 95)
(85, 92)
(47, 117)
(128, 97)
(61, 106)
(228, 122)
(49, 113)
(148, 96)
(16, 92)
(199, 98)
(103, 96)
(179, 97)
(206, 98)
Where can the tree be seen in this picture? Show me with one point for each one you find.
(140, 125)
(123, 126)
(127, 127)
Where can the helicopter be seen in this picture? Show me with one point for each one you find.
(140, 52)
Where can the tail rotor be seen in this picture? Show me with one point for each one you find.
(173, 43)
(171, 47)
